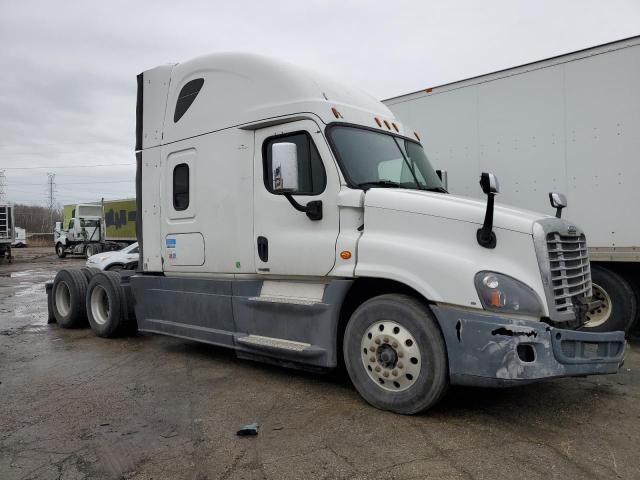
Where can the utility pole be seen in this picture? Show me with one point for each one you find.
(51, 194)
(3, 184)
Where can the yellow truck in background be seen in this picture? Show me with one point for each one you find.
(96, 227)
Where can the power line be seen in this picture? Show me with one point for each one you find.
(71, 166)
(81, 183)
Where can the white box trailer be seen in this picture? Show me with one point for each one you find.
(569, 124)
(7, 230)
(295, 220)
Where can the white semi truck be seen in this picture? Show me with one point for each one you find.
(92, 228)
(20, 238)
(569, 124)
(297, 221)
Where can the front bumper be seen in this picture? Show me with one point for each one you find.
(490, 350)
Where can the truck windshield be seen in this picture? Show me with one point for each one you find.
(374, 159)
(88, 223)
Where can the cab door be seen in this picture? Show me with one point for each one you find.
(287, 241)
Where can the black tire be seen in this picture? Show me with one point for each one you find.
(90, 250)
(116, 267)
(89, 272)
(105, 304)
(614, 289)
(68, 298)
(414, 317)
(632, 276)
(60, 250)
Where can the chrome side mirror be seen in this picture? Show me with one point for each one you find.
(284, 164)
(558, 201)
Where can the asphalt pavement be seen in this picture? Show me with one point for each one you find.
(74, 406)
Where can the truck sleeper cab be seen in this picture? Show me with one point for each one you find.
(296, 221)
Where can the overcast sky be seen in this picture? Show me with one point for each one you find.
(67, 87)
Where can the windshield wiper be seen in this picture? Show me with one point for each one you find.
(380, 183)
(436, 189)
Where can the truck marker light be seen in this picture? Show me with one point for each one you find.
(378, 121)
(336, 113)
(495, 299)
(395, 127)
(345, 254)
(387, 125)
(428, 90)
(417, 136)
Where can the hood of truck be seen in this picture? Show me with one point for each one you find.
(453, 207)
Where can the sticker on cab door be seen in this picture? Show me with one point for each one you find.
(171, 248)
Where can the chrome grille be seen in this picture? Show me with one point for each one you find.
(570, 272)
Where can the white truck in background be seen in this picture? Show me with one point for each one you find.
(297, 221)
(20, 239)
(7, 230)
(569, 124)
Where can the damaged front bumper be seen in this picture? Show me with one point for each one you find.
(489, 350)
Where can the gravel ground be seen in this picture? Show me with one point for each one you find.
(75, 406)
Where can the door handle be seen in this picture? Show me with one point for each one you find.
(263, 248)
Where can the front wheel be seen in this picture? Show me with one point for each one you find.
(60, 251)
(618, 305)
(395, 354)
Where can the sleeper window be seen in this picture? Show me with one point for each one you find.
(311, 175)
(181, 186)
(187, 95)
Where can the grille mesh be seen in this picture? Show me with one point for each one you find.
(570, 272)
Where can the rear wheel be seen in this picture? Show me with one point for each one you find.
(395, 354)
(60, 250)
(106, 305)
(68, 295)
(89, 272)
(618, 304)
(90, 250)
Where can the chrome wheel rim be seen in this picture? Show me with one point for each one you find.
(390, 356)
(599, 315)
(100, 305)
(63, 299)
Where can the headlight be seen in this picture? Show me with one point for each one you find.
(501, 293)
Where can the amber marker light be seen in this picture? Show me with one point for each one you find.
(336, 113)
(345, 254)
(417, 136)
(395, 127)
(378, 121)
(387, 125)
(495, 300)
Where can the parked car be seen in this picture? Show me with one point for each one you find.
(114, 260)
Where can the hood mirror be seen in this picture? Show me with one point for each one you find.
(485, 235)
(444, 178)
(489, 183)
(558, 201)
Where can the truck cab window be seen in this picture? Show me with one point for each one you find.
(312, 178)
(71, 224)
(181, 187)
(187, 95)
(371, 158)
